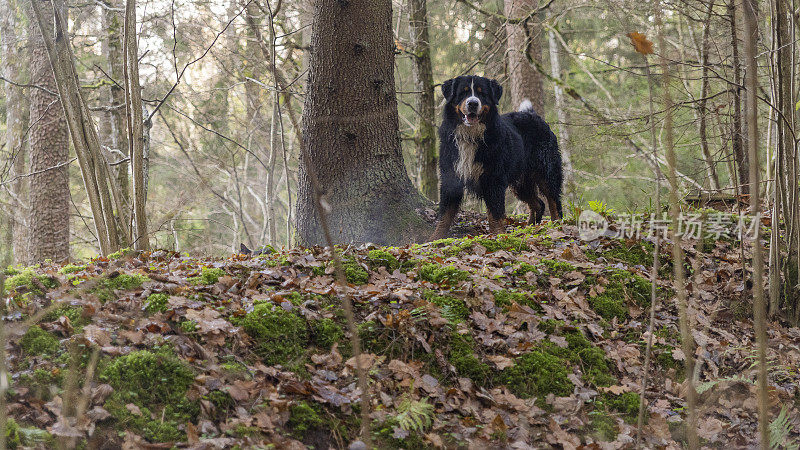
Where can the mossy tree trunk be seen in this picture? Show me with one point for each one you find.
(350, 131)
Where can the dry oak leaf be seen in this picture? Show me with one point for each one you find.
(640, 43)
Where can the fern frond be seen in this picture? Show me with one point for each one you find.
(414, 415)
(779, 430)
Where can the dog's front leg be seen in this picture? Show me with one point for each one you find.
(450, 194)
(496, 206)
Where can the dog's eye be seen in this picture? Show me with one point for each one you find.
(480, 90)
(466, 88)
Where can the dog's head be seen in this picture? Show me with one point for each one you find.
(474, 99)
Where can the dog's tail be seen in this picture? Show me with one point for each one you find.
(526, 106)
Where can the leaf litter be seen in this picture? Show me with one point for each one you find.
(509, 349)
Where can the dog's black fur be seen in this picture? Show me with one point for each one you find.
(516, 150)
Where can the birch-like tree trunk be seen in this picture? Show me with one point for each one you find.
(561, 114)
(701, 106)
(117, 138)
(12, 67)
(737, 137)
(133, 105)
(750, 14)
(786, 172)
(425, 136)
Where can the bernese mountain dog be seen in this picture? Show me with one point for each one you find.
(485, 153)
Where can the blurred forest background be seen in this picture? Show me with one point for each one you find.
(219, 157)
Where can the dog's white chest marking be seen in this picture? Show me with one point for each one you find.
(467, 139)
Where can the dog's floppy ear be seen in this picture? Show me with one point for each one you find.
(447, 89)
(497, 91)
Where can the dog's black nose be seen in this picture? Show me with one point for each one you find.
(473, 104)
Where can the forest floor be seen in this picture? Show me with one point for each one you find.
(532, 339)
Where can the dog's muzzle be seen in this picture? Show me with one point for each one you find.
(471, 109)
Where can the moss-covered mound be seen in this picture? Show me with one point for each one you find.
(155, 383)
(622, 287)
(106, 287)
(207, 276)
(36, 342)
(439, 274)
(280, 336)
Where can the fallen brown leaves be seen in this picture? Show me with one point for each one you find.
(408, 359)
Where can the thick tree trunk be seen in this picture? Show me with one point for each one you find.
(425, 138)
(525, 82)
(49, 147)
(351, 140)
(81, 126)
(17, 111)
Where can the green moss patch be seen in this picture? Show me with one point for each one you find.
(537, 374)
(467, 364)
(604, 426)
(355, 274)
(622, 286)
(36, 342)
(556, 268)
(27, 281)
(73, 313)
(326, 332)
(626, 404)
(504, 298)
(280, 336)
(156, 383)
(208, 276)
(106, 286)
(453, 309)
(382, 258)
(156, 303)
(71, 268)
(510, 242)
(639, 253)
(122, 253)
(436, 273)
(523, 268)
(303, 417)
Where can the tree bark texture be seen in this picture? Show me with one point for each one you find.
(94, 169)
(118, 138)
(135, 123)
(561, 114)
(786, 161)
(350, 131)
(12, 67)
(49, 148)
(524, 81)
(737, 138)
(702, 104)
(425, 137)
